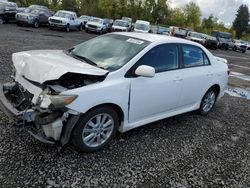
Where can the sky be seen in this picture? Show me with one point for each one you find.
(224, 10)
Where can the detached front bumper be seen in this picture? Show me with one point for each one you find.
(6, 106)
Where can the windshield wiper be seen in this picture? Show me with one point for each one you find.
(84, 59)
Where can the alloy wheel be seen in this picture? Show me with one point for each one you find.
(209, 101)
(98, 130)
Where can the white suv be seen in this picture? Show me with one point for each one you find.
(113, 82)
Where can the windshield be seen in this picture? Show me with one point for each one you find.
(140, 26)
(63, 14)
(97, 20)
(84, 17)
(196, 35)
(120, 23)
(101, 50)
(32, 11)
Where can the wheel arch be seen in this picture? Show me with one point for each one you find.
(217, 88)
(69, 127)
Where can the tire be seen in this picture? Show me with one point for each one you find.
(51, 28)
(1, 20)
(36, 24)
(86, 30)
(80, 27)
(206, 106)
(88, 125)
(234, 48)
(67, 29)
(243, 51)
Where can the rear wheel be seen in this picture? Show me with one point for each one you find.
(95, 129)
(243, 51)
(36, 24)
(208, 101)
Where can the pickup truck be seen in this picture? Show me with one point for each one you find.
(8, 11)
(66, 20)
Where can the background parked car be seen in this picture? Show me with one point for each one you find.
(196, 37)
(8, 11)
(97, 25)
(180, 32)
(84, 19)
(210, 42)
(129, 22)
(142, 26)
(66, 20)
(34, 15)
(248, 45)
(163, 30)
(109, 23)
(120, 25)
(239, 45)
(224, 39)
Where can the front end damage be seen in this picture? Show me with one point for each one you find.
(46, 117)
(43, 106)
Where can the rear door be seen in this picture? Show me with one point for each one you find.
(198, 75)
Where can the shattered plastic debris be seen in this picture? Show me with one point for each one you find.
(238, 92)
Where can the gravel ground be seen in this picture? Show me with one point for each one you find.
(183, 151)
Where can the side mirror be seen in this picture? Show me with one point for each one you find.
(145, 71)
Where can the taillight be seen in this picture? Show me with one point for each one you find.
(228, 72)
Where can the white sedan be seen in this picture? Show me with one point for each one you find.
(114, 82)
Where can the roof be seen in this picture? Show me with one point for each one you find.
(142, 22)
(155, 37)
(68, 12)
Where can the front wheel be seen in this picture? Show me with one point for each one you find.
(36, 24)
(95, 129)
(1, 20)
(80, 27)
(67, 28)
(208, 101)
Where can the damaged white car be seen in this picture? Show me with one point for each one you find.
(113, 82)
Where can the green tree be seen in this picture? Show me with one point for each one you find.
(193, 15)
(241, 21)
(177, 17)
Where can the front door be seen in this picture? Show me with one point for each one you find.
(150, 97)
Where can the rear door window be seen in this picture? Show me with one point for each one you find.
(193, 56)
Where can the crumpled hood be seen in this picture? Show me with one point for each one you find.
(59, 18)
(44, 65)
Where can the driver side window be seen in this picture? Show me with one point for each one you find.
(163, 57)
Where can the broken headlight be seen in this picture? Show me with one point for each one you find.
(56, 101)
